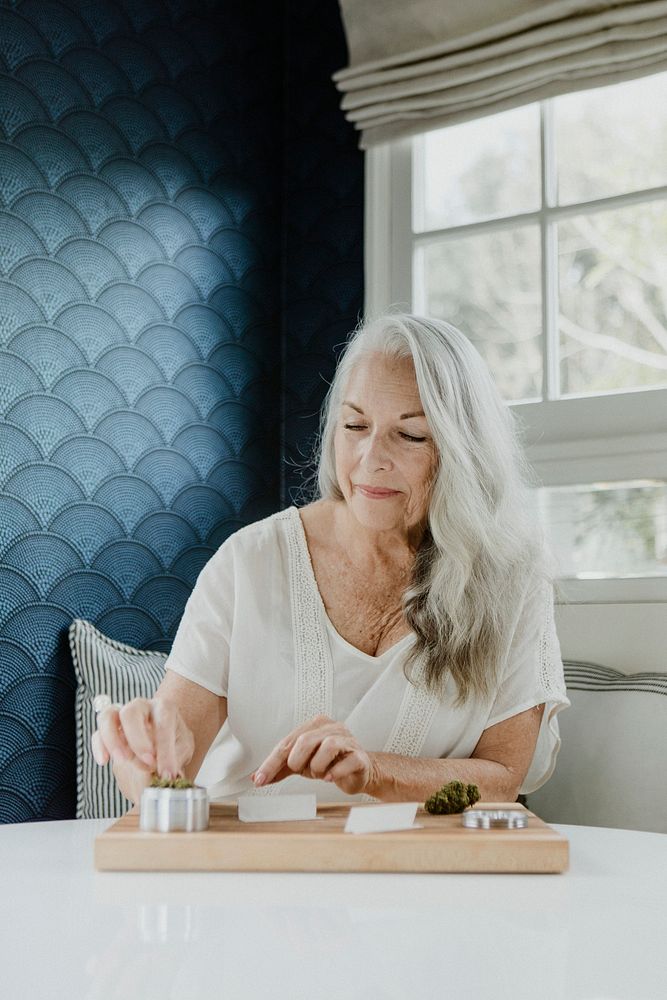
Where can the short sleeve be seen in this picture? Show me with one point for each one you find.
(200, 651)
(533, 675)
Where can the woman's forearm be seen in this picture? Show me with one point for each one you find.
(414, 779)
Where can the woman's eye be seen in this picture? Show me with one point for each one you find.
(409, 437)
(361, 427)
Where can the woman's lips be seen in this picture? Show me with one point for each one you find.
(374, 493)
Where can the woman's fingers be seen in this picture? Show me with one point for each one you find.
(175, 741)
(349, 774)
(164, 724)
(292, 754)
(274, 767)
(321, 748)
(348, 765)
(137, 725)
(331, 748)
(100, 752)
(111, 736)
(316, 750)
(150, 730)
(283, 772)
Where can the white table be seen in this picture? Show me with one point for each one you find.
(596, 932)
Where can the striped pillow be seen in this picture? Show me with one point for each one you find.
(104, 666)
(610, 767)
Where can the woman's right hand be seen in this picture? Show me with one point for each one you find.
(147, 733)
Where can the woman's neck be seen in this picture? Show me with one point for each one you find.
(390, 549)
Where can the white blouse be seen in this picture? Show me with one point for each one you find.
(255, 631)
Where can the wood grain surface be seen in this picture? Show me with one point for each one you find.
(441, 845)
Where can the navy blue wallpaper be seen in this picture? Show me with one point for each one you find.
(176, 244)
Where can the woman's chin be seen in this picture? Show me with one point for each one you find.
(377, 514)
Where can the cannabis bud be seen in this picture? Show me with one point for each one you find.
(453, 797)
(158, 782)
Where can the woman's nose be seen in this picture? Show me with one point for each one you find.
(376, 455)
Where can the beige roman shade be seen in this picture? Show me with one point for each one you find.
(421, 64)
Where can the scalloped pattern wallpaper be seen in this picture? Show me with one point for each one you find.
(181, 210)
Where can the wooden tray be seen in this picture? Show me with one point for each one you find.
(442, 845)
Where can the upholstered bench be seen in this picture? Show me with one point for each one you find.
(611, 769)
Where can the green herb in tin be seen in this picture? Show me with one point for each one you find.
(158, 782)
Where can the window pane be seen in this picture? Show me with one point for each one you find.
(619, 134)
(602, 530)
(488, 285)
(613, 299)
(483, 169)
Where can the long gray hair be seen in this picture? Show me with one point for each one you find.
(483, 538)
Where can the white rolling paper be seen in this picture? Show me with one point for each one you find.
(388, 816)
(273, 808)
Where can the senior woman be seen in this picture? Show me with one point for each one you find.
(392, 635)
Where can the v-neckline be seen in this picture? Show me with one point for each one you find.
(316, 590)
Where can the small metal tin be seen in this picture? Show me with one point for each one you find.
(494, 819)
(164, 810)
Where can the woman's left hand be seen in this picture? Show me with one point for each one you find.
(320, 748)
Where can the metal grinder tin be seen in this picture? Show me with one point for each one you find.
(494, 819)
(164, 810)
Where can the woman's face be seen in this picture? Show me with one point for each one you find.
(385, 454)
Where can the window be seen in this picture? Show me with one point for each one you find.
(541, 233)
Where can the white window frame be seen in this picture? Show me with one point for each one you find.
(612, 437)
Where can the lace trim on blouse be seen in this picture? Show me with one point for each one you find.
(551, 673)
(313, 692)
(414, 719)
